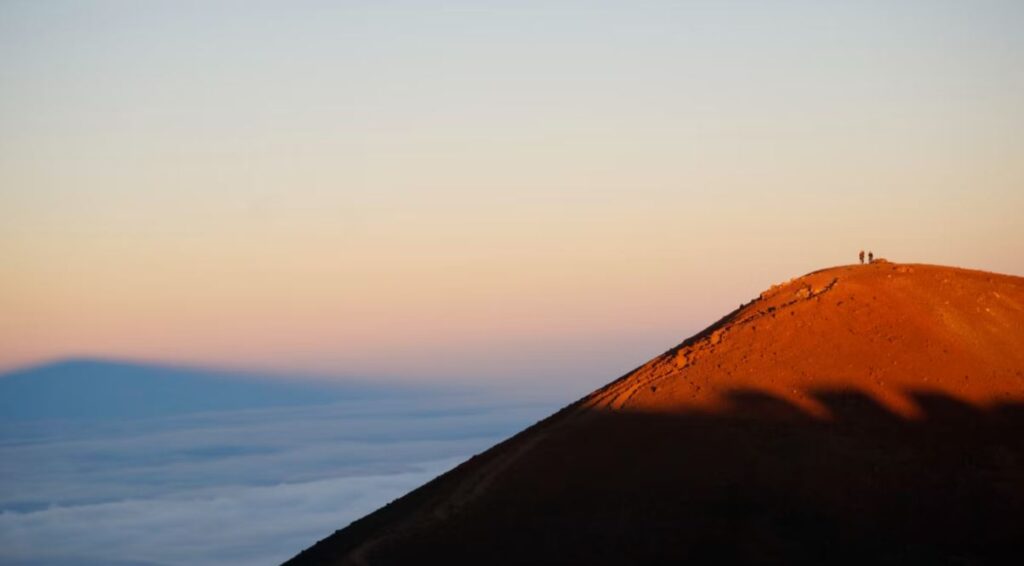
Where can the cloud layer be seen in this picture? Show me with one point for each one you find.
(244, 487)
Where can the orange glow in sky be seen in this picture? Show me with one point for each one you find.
(542, 191)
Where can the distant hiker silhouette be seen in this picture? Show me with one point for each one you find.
(862, 257)
(871, 257)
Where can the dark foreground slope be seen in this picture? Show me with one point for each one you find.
(856, 414)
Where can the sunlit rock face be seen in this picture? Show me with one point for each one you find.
(854, 414)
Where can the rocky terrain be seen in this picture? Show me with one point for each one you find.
(855, 414)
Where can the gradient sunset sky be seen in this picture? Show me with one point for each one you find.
(481, 191)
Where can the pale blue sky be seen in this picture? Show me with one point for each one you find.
(481, 189)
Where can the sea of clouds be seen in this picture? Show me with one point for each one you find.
(233, 487)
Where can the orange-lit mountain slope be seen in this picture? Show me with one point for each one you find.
(859, 413)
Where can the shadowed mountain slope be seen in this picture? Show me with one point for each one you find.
(862, 413)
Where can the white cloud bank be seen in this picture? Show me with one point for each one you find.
(246, 487)
(241, 525)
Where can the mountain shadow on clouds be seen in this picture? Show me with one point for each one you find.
(103, 389)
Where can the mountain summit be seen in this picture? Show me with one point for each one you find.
(859, 413)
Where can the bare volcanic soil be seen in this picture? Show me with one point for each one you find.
(857, 414)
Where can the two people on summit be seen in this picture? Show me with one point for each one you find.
(871, 257)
